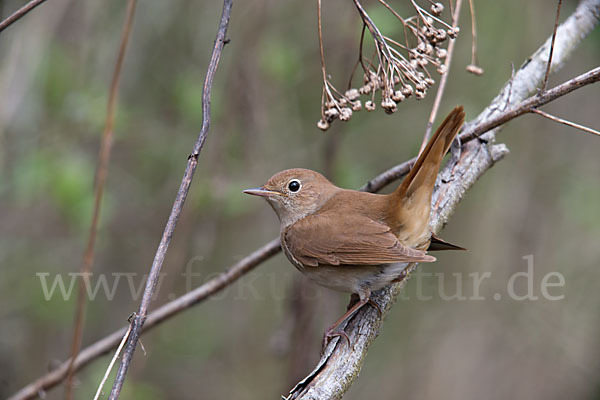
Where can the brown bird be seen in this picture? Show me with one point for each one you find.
(354, 241)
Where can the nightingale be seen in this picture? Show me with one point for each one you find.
(354, 241)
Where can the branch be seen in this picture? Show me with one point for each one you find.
(101, 174)
(585, 14)
(140, 317)
(341, 364)
(565, 122)
(17, 15)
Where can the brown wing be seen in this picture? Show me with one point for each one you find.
(356, 240)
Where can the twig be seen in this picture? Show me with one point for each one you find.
(17, 15)
(473, 67)
(140, 317)
(564, 121)
(101, 174)
(442, 86)
(527, 105)
(547, 74)
(112, 363)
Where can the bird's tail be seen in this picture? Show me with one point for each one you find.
(413, 196)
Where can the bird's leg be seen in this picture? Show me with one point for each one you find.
(331, 332)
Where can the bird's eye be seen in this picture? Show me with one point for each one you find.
(294, 185)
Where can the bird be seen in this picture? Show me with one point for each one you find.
(359, 242)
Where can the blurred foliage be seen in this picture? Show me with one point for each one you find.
(55, 68)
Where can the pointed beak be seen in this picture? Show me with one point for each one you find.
(261, 192)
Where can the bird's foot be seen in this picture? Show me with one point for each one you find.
(374, 304)
(330, 334)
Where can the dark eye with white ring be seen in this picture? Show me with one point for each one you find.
(294, 185)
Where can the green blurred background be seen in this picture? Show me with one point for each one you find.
(254, 340)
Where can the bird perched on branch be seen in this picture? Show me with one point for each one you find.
(359, 242)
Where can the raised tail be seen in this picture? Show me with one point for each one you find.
(413, 196)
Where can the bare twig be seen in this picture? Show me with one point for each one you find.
(442, 86)
(112, 363)
(140, 317)
(14, 17)
(473, 67)
(101, 174)
(564, 121)
(527, 105)
(547, 74)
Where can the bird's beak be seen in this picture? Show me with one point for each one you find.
(261, 191)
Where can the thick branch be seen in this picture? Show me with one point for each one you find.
(340, 364)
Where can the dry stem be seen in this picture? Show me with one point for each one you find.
(101, 174)
(14, 17)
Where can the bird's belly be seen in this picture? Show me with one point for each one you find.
(354, 279)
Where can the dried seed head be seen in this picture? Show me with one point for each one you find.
(323, 125)
(356, 106)
(389, 106)
(437, 8)
(474, 69)
(453, 32)
(441, 35)
(398, 96)
(366, 89)
(331, 113)
(369, 105)
(441, 53)
(421, 87)
(345, 114)
(442, 69)
(352, 94)
(429, 82)
(407, 90)
(419, 95)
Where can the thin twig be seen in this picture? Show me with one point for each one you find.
(14, 17)
(112, 363)
(547, 74)
(324, 73)
(565, 122)
(442, 86)
(140, 317)
(473, 67)
(101, 174)
(593, 76)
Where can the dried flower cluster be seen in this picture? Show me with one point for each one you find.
(397, 70)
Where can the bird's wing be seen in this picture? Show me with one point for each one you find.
(356, 240)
